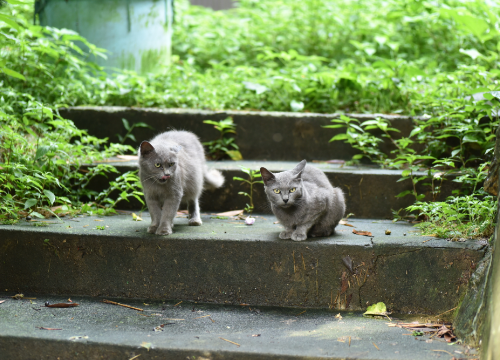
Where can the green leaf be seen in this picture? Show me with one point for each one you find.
(50, 195)
(13, 73)
(126, 124)
(378, 309)
(9, 20)
(29, 203)
(339, 137)
(234, 155)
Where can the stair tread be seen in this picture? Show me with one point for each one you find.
(199, 329)
(265, 229)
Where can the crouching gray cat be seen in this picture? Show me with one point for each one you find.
(304, 201)
(172, 169)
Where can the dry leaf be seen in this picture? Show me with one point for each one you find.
(135, 217)
(338, 316)
(44, 328)
(230, 213)
(256, 335)
(343, 222)
(364, 233)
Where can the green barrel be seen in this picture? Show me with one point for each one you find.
(136, 33)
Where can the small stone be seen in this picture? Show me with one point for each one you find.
(28, 218)
(388, 232)
(404, 234)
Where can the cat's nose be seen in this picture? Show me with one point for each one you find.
(165, 177)
(285, 200)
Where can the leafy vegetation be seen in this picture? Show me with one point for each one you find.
(225, 145)
(253, 176)
(42, 155)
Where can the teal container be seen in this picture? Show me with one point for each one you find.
(136, 33)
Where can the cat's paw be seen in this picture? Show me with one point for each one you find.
(286, 234)
(164, 231)
(298, 236)
(152, 229)
(195, 222)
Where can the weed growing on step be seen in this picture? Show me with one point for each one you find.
(225, 144)
(130, 128)
(253, 175)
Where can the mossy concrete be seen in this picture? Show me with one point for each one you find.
(197, 331)
(226, 261)
(369, 192)
(260, 135)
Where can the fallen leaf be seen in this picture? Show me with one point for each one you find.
(136, 217)
(378, 309)
(234, 155)
(44, 328)
(146, 345)
(338, 316)
(343, 222)
(98, 220)
(446, 333)
(60, 305)
(276, 222)
(364, 233)
(256, 335)
(2, 301)
(230, 213)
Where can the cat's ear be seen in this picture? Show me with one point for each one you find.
(267, 176)
(176, 148)
(146, 148)
(300, 167)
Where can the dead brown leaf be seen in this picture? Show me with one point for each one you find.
(61, 305)
(446, 333)
(44, 328)
(343, 222)
(364, 233)
(2, 301)
(256, 335)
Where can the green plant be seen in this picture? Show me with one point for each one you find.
(253, 175)
(100, 227)
(224, 145)
(129, 128)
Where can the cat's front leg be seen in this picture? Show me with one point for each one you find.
(300, 233)
(155, 212)
(286, 234)
(168, 213)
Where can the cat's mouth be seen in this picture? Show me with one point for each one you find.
(164, 178)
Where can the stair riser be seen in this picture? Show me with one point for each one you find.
(260, 135)
(367, 195)
(21, 348)
(417, 278)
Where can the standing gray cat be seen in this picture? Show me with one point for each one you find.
(304, 201)
(173, 170)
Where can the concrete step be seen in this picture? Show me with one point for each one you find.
(370, 192)
(96, 330)
(226, 261)
(260, 135)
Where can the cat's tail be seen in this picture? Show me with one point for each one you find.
(213, 179)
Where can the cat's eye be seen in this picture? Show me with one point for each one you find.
(293, 189)
(277, 191)
(157, 165)
(171, 164)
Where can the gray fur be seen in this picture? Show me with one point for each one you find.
(314, 208)
(180, 177)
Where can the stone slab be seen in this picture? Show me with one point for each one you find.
(226, 261)
(370, 192)
(260, 135)
(197, 331)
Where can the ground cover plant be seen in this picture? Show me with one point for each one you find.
(391, 56)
